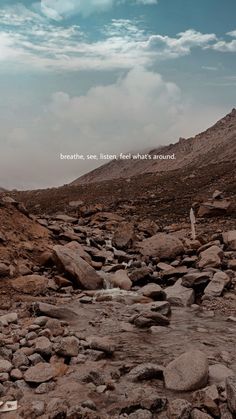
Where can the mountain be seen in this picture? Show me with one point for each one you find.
(215, 145)
(2, 189)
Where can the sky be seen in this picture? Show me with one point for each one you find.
(107, 76)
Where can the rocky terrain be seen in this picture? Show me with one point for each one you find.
(114, 305)
(110, 314)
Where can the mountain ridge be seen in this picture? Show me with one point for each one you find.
(216, 144)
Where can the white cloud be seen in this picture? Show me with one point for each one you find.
(181, 45)
(59, 9)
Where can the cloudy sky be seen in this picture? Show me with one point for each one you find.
(105, 76)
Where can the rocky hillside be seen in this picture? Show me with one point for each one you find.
(215, 145)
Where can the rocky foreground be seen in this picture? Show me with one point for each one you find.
(103, 317)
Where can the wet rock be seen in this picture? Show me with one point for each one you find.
(218, 373)
(177, 295)
(83, 274)
(153, 291)
(231, 393)
(179, 409)
(121, 280)
(229, 239)
(161, 245)
(211, 257)
(39, 373)
(146, 371)
(68, 346)
(5, 366)
(123, 236)
(30, 284)
(216, 286)
(103, 344)
(187, 372)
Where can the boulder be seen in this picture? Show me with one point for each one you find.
(148, 319)
(216, 286)
(187, 372)
(123, 236)
(69, 261)
(161, 245)
(5, 366)
(30, 284)
(177, 295)
(229, 238)
(211, 257)
(103, 344)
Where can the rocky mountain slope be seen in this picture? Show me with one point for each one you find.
(215, 145)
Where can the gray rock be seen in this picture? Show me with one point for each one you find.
(43, 346)
(179, 409)
(198, 414)
(146, 371)
(218, 373)
(120, 279)
(19, 359)
(164, 246)
(196, 279)
(5, 366)
(39, 373)
(187, 372)
(177, 295)
(68, 346)
(153, 291)
(103, 344)
(211, 257)
(231, 393)
(8, 318)
(69, 260)
(45, 387)
(216, 286)
(229, 238)
(140, 414)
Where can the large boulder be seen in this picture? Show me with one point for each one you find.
(187, 372)
(177, 295)
(211, 257)
(216, 286)
(161, 245)
(69, 261)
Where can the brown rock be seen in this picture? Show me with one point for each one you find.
(30, 284)
(82, 273)
(39, 373)
(124, 235)
(163, 246)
